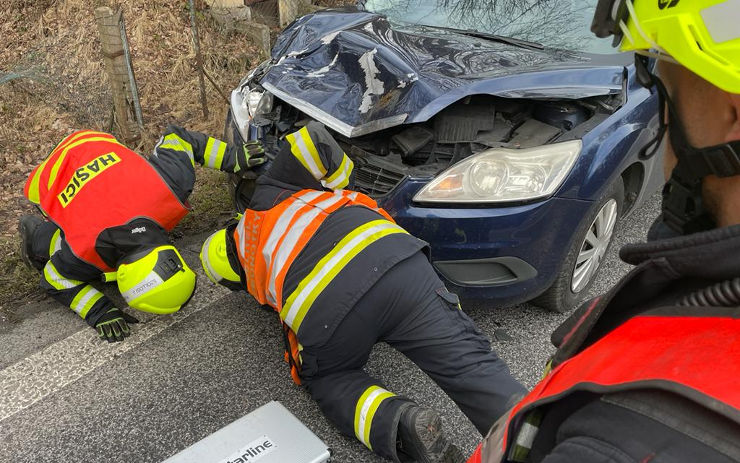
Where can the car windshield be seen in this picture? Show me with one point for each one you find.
(553, 23)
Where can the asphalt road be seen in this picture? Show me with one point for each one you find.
(65, 396)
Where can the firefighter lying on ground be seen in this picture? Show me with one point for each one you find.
(343, 277)
(649, 371)
(108, 211)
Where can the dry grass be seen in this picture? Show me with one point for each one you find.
(211, 201)
(17, 282)
(52, 49)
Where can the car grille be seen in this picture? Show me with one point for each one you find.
(376, 177)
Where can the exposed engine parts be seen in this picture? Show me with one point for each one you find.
(479, 123)
(465, 128)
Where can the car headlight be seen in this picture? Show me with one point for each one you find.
(246, 105)
(503, 175)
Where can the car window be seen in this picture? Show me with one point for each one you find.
(554, 23)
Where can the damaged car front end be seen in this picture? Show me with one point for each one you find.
(513, 159)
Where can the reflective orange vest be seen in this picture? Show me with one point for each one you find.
(698, 357)
(91, 182)
(269, 241)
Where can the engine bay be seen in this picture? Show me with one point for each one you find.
(467, 127)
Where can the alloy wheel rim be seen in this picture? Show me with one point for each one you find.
(594, 246)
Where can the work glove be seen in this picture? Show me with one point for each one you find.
(113, 325)
(251, 155)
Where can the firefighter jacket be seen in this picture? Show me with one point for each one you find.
(90, 182)
(671, 326)
(108, 201)
(309, 249)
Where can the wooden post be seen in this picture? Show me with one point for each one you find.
(115, 64)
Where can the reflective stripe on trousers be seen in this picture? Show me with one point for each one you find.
(57, 281)
(56, 242)
(365, 410)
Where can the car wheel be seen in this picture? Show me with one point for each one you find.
(593, 238)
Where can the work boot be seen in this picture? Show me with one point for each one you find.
(421, 438)
(26, 227)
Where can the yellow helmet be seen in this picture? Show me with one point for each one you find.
(215, 261)
(157, 280)
(701, 35)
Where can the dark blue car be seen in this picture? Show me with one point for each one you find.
(502, 132)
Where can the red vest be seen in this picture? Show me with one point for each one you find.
(90, 182)
(697, 357)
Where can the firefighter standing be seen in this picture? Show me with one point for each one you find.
(108, 210)
(649, 372)
(343, 276)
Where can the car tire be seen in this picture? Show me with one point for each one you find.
(593, 238)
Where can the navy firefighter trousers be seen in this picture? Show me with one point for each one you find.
(410, 309)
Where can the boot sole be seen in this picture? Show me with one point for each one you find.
(435, 438)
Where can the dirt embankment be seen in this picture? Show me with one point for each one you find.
(52, 81)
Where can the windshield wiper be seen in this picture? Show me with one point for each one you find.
(493, 37)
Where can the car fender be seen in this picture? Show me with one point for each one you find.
(612, 147)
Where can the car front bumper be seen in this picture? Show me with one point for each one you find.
(505, 255)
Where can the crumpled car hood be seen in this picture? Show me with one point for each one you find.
(358, 73)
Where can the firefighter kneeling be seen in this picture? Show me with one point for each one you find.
(108, 211)
(343, 276)
(649, 372)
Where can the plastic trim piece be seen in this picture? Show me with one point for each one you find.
(495, 271)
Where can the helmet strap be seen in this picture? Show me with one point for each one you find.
(168, 264)
(683, 205)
